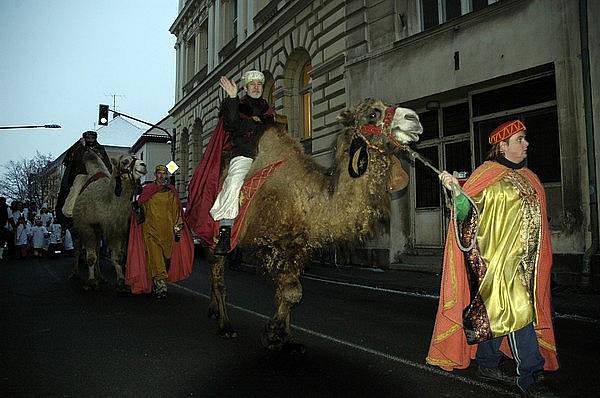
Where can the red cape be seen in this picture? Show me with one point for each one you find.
(182, 252)
(449, 348)
(204, 187)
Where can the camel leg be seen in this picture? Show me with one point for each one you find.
(217, 306)
(277, 333)
(116, 256)
(77, 254)
(91, 258)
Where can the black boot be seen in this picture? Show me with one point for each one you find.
(223, 246)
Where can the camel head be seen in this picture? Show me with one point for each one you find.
(382, 125)
(128, 164)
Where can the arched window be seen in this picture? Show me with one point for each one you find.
(297, 94)
(269, 88)
(306, 102)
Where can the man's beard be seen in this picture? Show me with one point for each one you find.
(161, 180)
(255, 95)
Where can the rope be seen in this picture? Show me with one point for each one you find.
(455, 188)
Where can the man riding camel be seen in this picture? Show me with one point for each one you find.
(75, 166)
(244, 120)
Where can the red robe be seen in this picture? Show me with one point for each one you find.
(182, 252)
(449, 348)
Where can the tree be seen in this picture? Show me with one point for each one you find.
(26, 180)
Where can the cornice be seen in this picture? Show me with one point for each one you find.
(287, 13)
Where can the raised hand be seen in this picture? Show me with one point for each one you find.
(229, 86)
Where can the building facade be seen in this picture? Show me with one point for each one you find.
(465, 66)
(154, 147)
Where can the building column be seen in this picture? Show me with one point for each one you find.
(177, 72)
(250, 17)
(217, 32)
(241, 21)
(211, 37)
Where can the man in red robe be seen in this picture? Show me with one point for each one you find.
(160, 247)
(496, 295)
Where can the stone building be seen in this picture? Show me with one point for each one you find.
(465, 66)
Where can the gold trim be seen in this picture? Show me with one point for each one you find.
(452, 302)
(447, 333)
(440, 362)
(546, 345)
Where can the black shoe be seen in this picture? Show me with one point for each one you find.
(223, 246)
(539, 388)
(495, 374)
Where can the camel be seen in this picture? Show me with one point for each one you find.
(103, 210)
(302, 207)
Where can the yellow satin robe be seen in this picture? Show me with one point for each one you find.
(509, 236)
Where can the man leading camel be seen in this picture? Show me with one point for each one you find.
(245, 120)
(500, 287)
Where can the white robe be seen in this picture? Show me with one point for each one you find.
(38, 234)
(22, 234)
(55, 233)
(68, 241)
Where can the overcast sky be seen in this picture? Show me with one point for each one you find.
(59, 59)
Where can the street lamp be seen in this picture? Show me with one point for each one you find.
(43, 126)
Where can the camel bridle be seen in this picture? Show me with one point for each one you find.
(384, 131)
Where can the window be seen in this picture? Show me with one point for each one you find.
(269, 88)
(435, 12)
(456, 119)
(190, 55)
(306, 103)
(203, 37)
(229, 20)
(536, 104)
(429, 121)
(428, 184)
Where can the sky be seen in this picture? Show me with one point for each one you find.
(60, 59)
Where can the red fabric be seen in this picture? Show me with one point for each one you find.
(449, 348)
(249, 189)
(204, 187)
(182, 252)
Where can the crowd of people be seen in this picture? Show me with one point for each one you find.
(31, 231)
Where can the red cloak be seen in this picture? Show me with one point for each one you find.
(449, 348)
(182, 252)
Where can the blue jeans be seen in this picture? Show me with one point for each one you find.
(526, 353)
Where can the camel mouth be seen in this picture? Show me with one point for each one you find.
(408, 135)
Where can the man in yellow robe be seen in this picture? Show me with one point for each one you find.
(162, 224)
(500, 286)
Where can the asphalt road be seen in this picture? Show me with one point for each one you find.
(59, 340)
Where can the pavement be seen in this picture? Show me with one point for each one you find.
(423, 277)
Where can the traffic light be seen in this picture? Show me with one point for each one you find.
(103, 115)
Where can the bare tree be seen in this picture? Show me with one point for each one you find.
(25, 180)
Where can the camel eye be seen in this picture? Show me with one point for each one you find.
(374, 114)
(126, 161)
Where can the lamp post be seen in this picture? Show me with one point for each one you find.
(35, 126)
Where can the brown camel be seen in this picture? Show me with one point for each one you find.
(302, 207)
(102, 211)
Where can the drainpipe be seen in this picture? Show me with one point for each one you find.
(589, 135)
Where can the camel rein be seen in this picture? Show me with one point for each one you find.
(415, 155)
(386, 131)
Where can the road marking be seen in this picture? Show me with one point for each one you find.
(569, 317)
(378, 289)
(371, 351)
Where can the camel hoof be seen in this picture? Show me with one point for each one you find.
(122, 287)
(227, 332)
(291, 347)
(91, 284)
(213, 313)
(74, 276)
(273, 337)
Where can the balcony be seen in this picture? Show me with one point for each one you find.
(194, 81)
(266, 14)
(228, 49)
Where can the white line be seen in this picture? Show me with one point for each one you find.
(390, 357)
(378, 289)
(569, 317)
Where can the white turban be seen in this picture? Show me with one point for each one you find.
(251, 76)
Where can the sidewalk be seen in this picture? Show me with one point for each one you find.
(425, 278)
